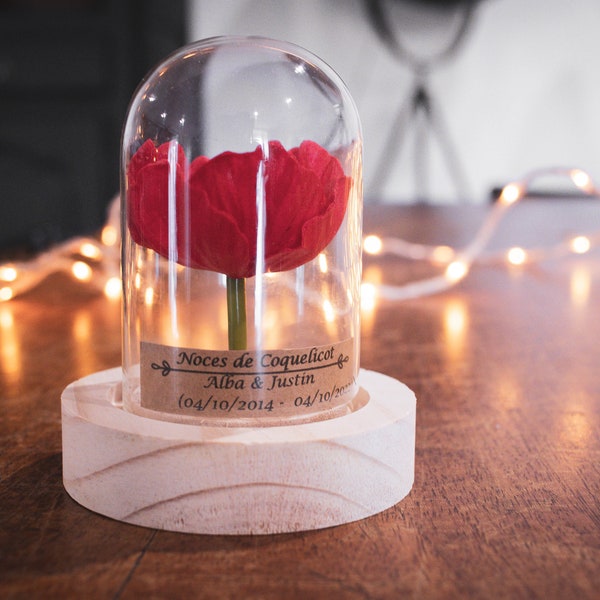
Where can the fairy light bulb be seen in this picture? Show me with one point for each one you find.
(581, 179)
(442, 255)
(8, 273)
(109, 235)
(580, 244)
(112, 288)
(510, 193)
(6, 293)
(89, 250)
(81, 271)
(456, 271)
(516, 256)
(373, 244)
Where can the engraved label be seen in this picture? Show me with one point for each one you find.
(247, 384)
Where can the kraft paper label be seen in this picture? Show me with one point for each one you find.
(247, 384)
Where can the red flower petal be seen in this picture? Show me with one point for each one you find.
(309, 195)
(222, 214)
(148, 194)
(305, 196)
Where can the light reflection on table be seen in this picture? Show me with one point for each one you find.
(10, 349)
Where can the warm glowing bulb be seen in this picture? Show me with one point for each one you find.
(8, 273)
(112, 288)
(372, 244)
(81, 271)
(109, 235)
(90, 251)
(6, 293)
(442, 254)
(581, 179)
(510, 193)
(328, 310)
(149, 296)
(323, 263)
(516, 256)
(580, 244)
(456, 270)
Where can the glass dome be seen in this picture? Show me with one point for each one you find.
(242, 217)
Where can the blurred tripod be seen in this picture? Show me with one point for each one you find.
(419, 110)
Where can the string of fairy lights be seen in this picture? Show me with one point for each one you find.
(95, 262)
(455, 264)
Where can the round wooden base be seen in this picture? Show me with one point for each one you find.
(237, 480)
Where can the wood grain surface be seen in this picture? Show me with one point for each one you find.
(506, 501)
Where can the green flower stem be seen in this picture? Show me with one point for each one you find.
(236, 313)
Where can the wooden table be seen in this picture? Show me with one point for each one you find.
(506, 500)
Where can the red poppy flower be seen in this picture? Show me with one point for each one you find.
(212, 222)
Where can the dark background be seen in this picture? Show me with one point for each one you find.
(68, 69)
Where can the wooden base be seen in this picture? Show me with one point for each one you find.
(237, 480)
